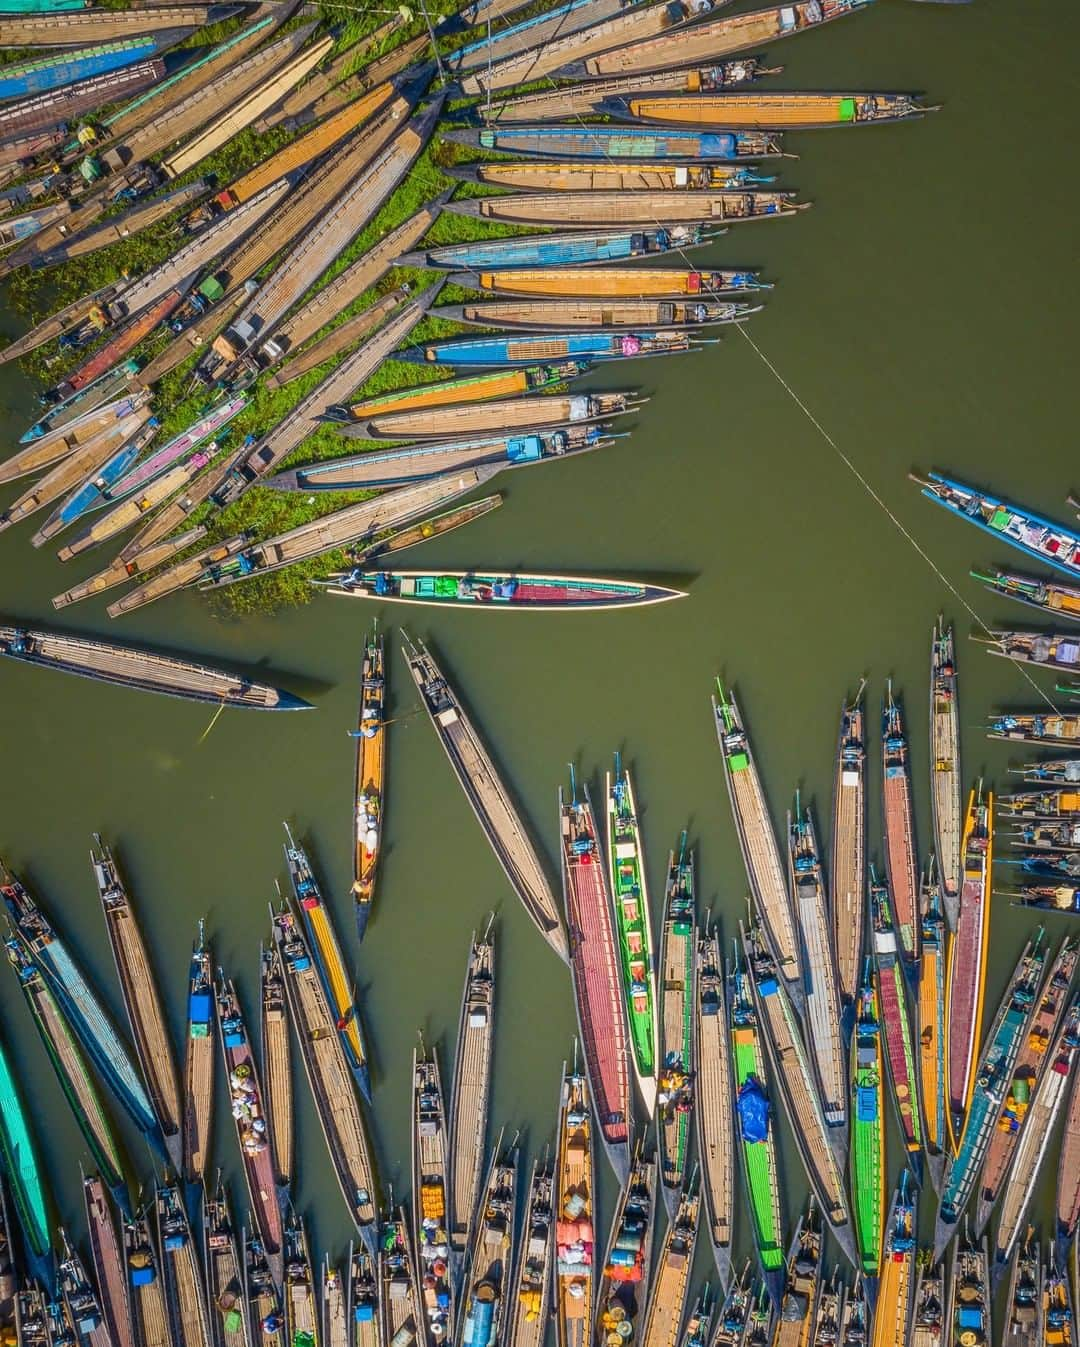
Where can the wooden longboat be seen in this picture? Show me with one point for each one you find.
(33, 1318)
(1024, 1301)
(71, 1067)
(487, 794)
(868, 1132)
(1048, 650)
(430, 1196)
(338, 983)
(677, 1087)
(126, 224)
(262, 1294)
(139, 988)
(559, 315)
(198, 1063)
(333, 1297)
(847, 888)
(79, 409)
(806, 875)
(91, 26)
(757, 840)
(930, 1310)
(896, 1024)
(759, 1322)
(966, 961)
(1052, 803)
(276, 1055)
(362, 1311)
(698, 1329)
(583, 98)
(531, 34)
(490, 1264)
(620, 142)
(181, 1271)
(828, 1317)
(671, 1283)
(713, 1115)
(84, 1321)
(754, 1126)
(329, 1078)
(124, 340)
(497, 351)
(108, 1262)
(574, 1279)
(530, 1297)
(630, 905)
(54, 326)
(821, 1146)
(591, 210)
(734, 1311)
(710, 40)
(1051, 596)
(993, 1075)
(471, 1091)
(1062, 898)
(45, 450)
(149, 1307)
(370, 777)
(613, 282)
(176, 512)
(495, 590)
(802, 1283)
(229, 1319)
(625, 1272)
(970, 1297)
(503, 415)
(400, 1305)
(388, 410)
(856, 1318)
(899, 1267)
(930, 1028)
(578, 248)
(1024, 1101)
(1055, 771)
(1058, 1299)
(302, 1317)
(1037, 728)
(774, 110)
(945, 768)
(584, 175)
(180, 575)
(432, 527)
(1067, 1204)
(249, 1107)
(898, 815)
(1046, 1106)
(594, 973)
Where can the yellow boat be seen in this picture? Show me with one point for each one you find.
(772, 111)
(469, 388)
(610, 175)
(610, 282)
(370, 778)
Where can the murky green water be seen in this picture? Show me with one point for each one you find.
(924, 312)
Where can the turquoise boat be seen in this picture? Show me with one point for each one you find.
(41, 75)
(40, 6)
(24, 1175)
(621, 143)
(992, 1081)
(498, 352)
(575, 249)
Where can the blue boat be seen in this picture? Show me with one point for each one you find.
(561, 250)
(1051, 543)
(112, 384)
(499, 352)
(569, 17)
(24, 1175)
(993, 1078)
(620, 142)
(94, 493)
(81, 1007)
(53, 72)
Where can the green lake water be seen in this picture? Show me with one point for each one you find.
(924, 312)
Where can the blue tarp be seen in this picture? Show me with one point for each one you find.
(753, 1107)
(199, 1006)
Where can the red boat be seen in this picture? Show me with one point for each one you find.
(118, 346)
(967, 960)
(896, 1024)
(594, 968)
(901, 866)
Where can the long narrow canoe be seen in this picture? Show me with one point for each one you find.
(84, 1319)
(1067, 1208)
(868, 1131)
(276, 1056)
(970, 1296)
(1055, 545)
(755, 1125)
(896, 1291)
(497, 352)
(625, 1271)
(802, 1283)
(557, 315)
(370, 778)
(775, 110)
(400, 1305)
(485, 791)
(1056, 803)
(91, 493)
(499, 416)
(303, 1322)
(713, 1113)
(392, 415)
(630, 903)
(263, 1292)
(198, 1063)
(177, 576)
(856, 1316)
(712, 39)
(966, 976)
(1049, 650)
(575, 1202)
(945, 768)
(806, 873)
(531, 34)
(95, 25)
(71, 1067)
(614, 175)
(847, 887)
(1038, 727)
(896, 1023)
(901, 857)
(118, 383)
(42, 451)
(333, 1294)
(471, 1091)
(181, 1272)
(139, 987)
(671, 1283)
(620, 143)
(734, 1313)
(149, 1306)
(994, 1073)
(328, 1074)
(398, 539)
(249, 1108)
(229, 1321)
(496, 590)
(1048, 1098)
(757, 840)
(930, 1313)
(820, 1146)
(592, 210)
(430, 1195)
(338, 983)
(25, 1176)
(930, 1027)
(1050, 596)
(530, 1296)
(677, 1084)
(484, 1306)
(594, 972)
(1037, 1057)
(698, 1329)
(577, 249)
(1059, 1295)
(614, 282)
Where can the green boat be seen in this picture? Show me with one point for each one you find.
(868, 1130)
(675, 1098)
(626, 868)
(24, 1175)
(756, 1135)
